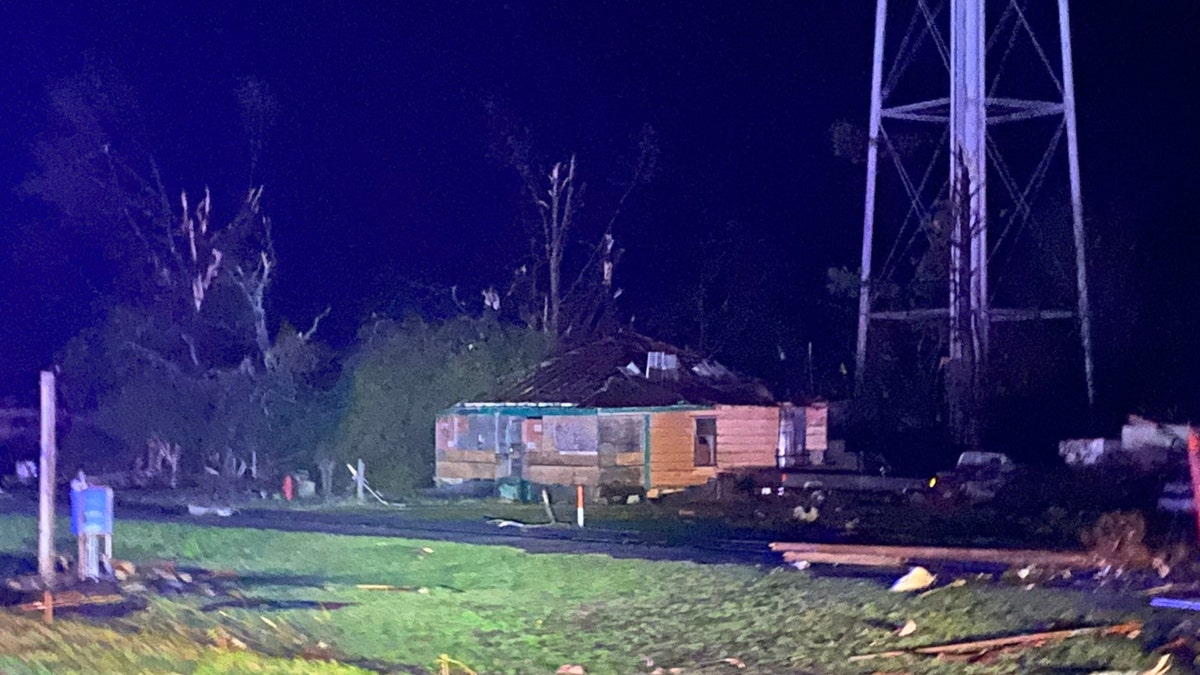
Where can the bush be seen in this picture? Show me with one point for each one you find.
(406, 373)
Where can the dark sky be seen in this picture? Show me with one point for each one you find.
(378, 170)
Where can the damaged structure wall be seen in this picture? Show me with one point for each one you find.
(627, 410)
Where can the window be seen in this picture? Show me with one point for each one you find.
(706, 441)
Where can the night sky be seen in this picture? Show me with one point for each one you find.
(379, 178)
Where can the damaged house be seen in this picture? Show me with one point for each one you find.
(626, 410)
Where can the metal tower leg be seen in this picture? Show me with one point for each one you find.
(864, 287)
(1085, 320)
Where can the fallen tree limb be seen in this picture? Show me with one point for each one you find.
(1130, 629)
(795, 551)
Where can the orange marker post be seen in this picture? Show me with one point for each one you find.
(1193, 452)
(579, 505)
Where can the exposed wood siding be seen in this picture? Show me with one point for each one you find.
(746, 436)
(468, 470)
(630, 459)
(556, 459)
(672, 445)
(563, 475)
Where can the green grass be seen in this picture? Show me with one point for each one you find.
(501, 610)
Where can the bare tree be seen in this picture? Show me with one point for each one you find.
(190, 292)
(557, 209)
(556, 195)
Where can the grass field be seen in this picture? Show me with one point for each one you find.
(501, 610)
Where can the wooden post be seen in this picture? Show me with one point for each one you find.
(46, 481)
(326, 468)
(360, 479)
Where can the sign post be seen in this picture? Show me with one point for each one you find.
(46, 482)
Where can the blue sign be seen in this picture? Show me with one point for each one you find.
(92, 511)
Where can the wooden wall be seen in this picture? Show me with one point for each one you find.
(672, 450)
(746, 436)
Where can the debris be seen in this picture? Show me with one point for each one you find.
(1117, 538)
(957, 583)
(386, 587)
(1158, 590)
(123, 569)
(918, 578)
(1163, 666)
(445, 664)
(907, 629)
(219, 511)
(72, 599)
(1131, 630)
(804, 515)
(376, 495)
(504, 522)
(1176, 603)
(570, 669)
(1016, 558)
(546, 505)
(223, 639)
(859, 559)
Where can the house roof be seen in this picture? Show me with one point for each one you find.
(613, 372)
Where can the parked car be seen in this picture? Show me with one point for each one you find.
(976, 477)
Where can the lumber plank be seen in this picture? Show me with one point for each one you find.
(1001, 556)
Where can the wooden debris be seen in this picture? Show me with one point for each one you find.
(1017, 558)
(856, 559)
(976, 647)
(446, 665)
(387, 587)
(71, 599)
(123, 569)
(957, 583)
(907, 629)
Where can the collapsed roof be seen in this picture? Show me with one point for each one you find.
(629, 370)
